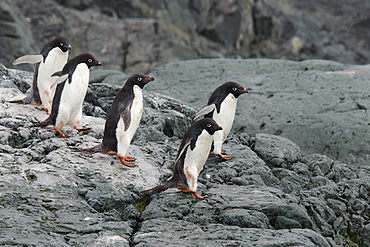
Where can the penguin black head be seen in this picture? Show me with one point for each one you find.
(88, 59)
(233, 88)
(62, 42)
(139, 79)
(209, 125)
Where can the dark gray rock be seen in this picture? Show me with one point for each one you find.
(276, 151)
(138, 35)
(53, 196)
(16, 36)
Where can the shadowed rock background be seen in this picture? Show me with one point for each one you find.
(300, 176)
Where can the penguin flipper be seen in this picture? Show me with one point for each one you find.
(28, 59)
(187, 143)
(126, 117)
(61, 79)
(205, 110)
(58, 73)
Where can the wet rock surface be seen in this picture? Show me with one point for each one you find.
(270, 194)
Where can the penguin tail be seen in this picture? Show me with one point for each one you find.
(156, 189)
(96, 149)
(168, 184)
(43, 124)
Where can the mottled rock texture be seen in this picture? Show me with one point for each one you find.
(270, 194)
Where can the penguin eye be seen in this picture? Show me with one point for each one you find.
(139, 78)
(209, 125)
(89, 60)
(61, 44)
(235, 88)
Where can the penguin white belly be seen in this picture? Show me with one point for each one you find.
(124, 137)
(195, 159)
(54, 62)
(225, 119)
(73, 94)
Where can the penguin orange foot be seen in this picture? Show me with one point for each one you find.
(60, 133)
(199, 196)
(195, 193)
(125, 160)
(224, 156)
(129, 158)
(82, 128)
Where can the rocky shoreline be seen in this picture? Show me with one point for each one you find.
(270, 194)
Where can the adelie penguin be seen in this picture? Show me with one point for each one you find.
(221, 107)
(191, 157)
(71, 88)
(52, 58)
(123, 120)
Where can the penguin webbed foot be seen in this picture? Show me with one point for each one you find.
(48, 111)
(195, 193)
(224, 157)
(129, 158)
(82, 128)
(61, 134)
(125, 160)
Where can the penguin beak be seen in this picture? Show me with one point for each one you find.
(148, 79)
(219, 127)
(244, 90)
(99, 63)
(69, 47)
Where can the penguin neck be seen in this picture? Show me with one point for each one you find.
(138, 92)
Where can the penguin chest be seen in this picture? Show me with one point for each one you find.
(225, 117)
(74, 91)
(136, 112)
(197, 157)
(55, 61)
